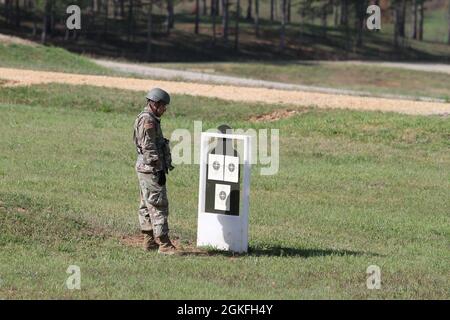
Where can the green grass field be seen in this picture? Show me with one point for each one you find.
(49, 59)
(354, 189)
(372, 79)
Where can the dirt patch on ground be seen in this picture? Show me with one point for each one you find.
(274, 116)
(5, 39)
(186, 247)
(9, 83)
(132, 240)
(233, 93)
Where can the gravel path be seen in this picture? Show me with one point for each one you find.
(173, 74)
(20, 77)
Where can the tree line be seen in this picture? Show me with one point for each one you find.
(224, 16)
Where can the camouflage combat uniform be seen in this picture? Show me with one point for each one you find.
(151, 166)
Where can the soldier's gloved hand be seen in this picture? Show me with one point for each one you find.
(171, 167)
(161, 178)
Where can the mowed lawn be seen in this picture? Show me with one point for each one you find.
(354, 189)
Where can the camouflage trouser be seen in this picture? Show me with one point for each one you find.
(154, 206)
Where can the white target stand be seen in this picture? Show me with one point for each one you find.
(224, 192)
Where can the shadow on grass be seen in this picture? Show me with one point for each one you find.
(278, 251)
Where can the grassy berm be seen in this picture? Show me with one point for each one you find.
(354, 189)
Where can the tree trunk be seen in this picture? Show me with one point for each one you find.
(344, 13)
(324, 15)
(448, 39)
(238, 14)
(421, 20)
(288, 11)
(115, 9)
(8, 11)
(34, 32)
(213, 8)
(122, 8)
(149, 30)
(17, 14)
(399, 21)
(130, 22)
(52, 19)
(283, 24)
(344, 23)
(197, 15)
(214, 15)
(272, 7)
(336, 13)
(205, 8)
(170, 15)
(402, 19)
(225, 19)
(105, 22)
(414, 19)
(45, 21)
(257, 18)
(360, 7)
(34, 17)
(249, 10)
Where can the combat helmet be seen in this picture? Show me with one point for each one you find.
(157, 94)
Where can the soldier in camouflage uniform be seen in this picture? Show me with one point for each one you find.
(152, 165)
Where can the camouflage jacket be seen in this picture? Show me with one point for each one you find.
(150, 143)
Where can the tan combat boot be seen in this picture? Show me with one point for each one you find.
(166, 246)
(149, 242)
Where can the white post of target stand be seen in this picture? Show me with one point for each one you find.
(218, 229)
